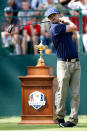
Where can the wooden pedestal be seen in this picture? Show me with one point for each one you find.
(38, 79)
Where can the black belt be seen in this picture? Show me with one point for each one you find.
(68, 60)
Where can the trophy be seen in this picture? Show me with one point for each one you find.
(40, 47)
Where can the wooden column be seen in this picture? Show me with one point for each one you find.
(38, 79)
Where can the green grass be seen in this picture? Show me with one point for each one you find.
(11, 124)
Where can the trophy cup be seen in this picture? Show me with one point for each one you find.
(40, 47)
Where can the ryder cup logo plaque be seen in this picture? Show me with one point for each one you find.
(36, 100)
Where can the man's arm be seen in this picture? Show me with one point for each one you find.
(70, 26)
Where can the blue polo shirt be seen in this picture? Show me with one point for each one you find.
(63, 42)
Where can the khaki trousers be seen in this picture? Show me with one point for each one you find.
(68, 75)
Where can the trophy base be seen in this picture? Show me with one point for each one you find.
(40, 62)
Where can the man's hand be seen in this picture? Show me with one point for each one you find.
(64, 20)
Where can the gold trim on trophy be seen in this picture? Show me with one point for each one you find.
(41, 48)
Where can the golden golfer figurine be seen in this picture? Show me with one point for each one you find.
(40, 47)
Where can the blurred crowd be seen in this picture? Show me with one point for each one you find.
(30, 26)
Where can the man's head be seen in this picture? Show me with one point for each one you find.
(52, 14)
(8, 12)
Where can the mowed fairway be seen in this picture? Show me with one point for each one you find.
(11, 124)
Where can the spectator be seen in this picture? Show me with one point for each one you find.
(64, 2)
(13, 39)
(15, 7)
(24, 15)
(36, 3)
(79, 4)
(47, 4)
(19, 2)
(75, 19)
(31, 35)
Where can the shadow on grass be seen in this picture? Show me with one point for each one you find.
(82, 125)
